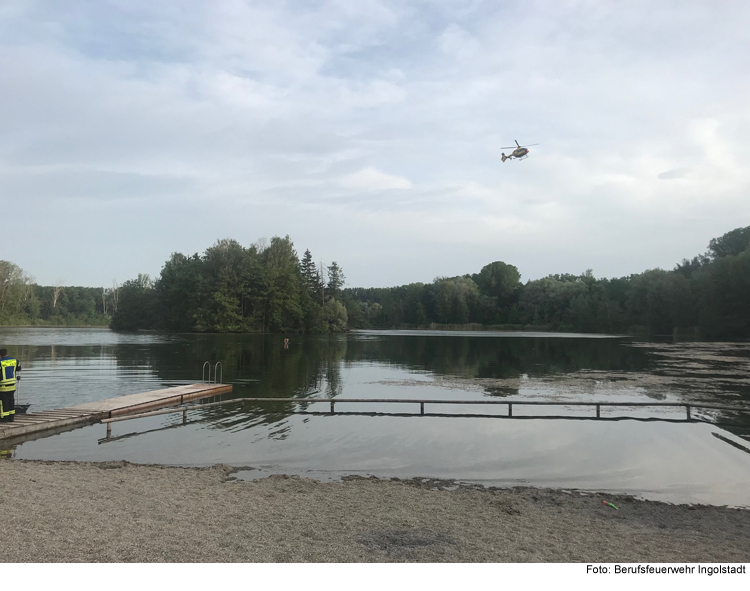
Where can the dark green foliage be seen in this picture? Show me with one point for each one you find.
(710, 292)
(137, 306)
(281, 305)
(226, 291)
(22, 302)
(355, 313)
(723, 292)
(15, 292)
(231, 288)
(310, 278)
(730, 244)
(311, 296)
(177, 293)
(335, 314)
(688, 267)
(499, 280)
(236, 289)
(336, 280)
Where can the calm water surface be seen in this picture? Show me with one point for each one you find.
(679, 462)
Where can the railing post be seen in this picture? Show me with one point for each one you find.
(332, 403)
(109, 430)
(184, 417)
(687, 408)
(421, 408)
(598, 414)
(510, 409)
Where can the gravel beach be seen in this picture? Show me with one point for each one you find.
(120, 512)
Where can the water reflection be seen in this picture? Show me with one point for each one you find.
(258, 365)
(67, 367)
(500, 357)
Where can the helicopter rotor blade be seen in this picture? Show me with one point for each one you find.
(517, 146)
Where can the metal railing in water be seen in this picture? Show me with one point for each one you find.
(422, 402)
(508, 403)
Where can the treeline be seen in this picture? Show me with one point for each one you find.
(24, 303)
(266, 287)
(230, 288)
(708, 295)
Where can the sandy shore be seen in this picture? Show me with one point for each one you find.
(120, 512)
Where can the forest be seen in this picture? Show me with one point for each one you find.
(266, 288)
(707, 296)
(24, 303)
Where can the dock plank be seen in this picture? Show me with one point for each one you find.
(46, 421)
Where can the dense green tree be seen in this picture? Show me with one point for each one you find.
(137, 306)
(455, 298)
(14, 290)
(689, 266)
(310, 276)
(499, 280)
(229, 275)
(723, 289)
(335, 315)
(355, 312)
(263, 288)
(730, 244)
(336, 280)
(177, 289)
(282, 311)
(311, 296)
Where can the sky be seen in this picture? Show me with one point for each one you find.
(371, 133)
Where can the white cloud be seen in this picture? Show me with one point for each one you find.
(249, 119)
(456, 42)
(674, 173)
(705, 133)
(371, 179)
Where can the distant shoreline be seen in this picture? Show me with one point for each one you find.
(102, 326)
(677, 337)
(440, 328)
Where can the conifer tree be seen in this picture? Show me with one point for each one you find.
(336, 280)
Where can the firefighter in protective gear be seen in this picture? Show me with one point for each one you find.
(9, 369)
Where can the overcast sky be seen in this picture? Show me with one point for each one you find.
(371, 133)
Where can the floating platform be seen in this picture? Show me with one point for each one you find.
(50, 422)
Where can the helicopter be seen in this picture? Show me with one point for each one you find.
(519, 152)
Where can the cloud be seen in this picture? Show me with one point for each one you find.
(457, 42)
(340, 123)
(675, 173)
(371, 179)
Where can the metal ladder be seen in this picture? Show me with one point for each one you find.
(217, 367)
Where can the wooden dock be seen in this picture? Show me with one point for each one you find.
(50, 422)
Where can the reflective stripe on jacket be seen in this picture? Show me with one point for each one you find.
(8, 370)
(4, 414)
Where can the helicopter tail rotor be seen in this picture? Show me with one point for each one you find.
(504, 157)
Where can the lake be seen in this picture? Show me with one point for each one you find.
(667, 459)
